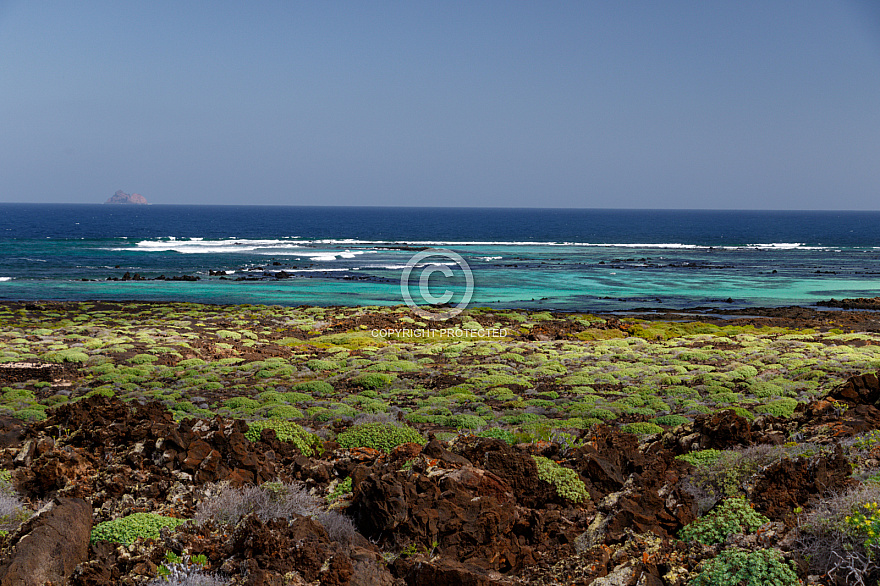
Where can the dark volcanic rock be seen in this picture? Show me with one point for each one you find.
(277, 547)
(858, 390)
(634, 489)
(108, 448)
(443, 572)
(11, 431)
(858, 303)
(791, 483)
(469, 512)
(17, 372)
(607, 461)
(723, 430)
(480, 504)
(516, 467)
(54, 543)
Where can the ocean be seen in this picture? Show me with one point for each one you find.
(554, 259)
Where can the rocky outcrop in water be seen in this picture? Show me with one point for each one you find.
(127, 198)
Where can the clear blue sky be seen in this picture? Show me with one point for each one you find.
(656, 104)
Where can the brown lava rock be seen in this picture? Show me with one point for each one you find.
(107, 448)
(791, 483)
(51, 545)
(723, 430)
(858, 390)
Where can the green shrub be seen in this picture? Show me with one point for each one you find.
(342, 488)
(743, 373)
(270, 397)
(245, 403)
(286, 431)
(494, 380)
(374, 380)
(380, 436)
(779, 408)
(500, 434)
(126, 530)
(865, 442)
(65, 356)
(743, 413)
(285, 412)
(541, 403)
(294, 397)
(394, 366)
(764, 389)
(701, 457)
(226, 334)
(866, 521)
(321, 365)
(465, 421)
(600, 413)
(671, 420)
(641, 428)
(733, 516)
(11, 395)
(31, 414)
(739, 567)
(568, 484)
(314, 387)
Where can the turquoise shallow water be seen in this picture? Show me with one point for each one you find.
(581, 260)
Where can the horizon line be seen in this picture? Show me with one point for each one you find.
(626, 209)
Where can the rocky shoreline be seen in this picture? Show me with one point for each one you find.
(117, 485)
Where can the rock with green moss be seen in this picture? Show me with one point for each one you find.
(286, 431)
(568, 485)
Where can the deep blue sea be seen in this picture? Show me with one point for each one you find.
(562, 259)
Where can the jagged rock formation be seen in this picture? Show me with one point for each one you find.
(127, 198)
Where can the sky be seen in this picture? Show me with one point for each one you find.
(739, 104)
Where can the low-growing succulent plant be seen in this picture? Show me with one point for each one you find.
(379, 436)
(734, 515)
(739, 567)
(342, 488)
(641, 428)
(126, 530)
(568, 484)
(286, 431)
(500, 434)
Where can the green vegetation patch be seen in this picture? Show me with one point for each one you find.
(379, 436)
(286, 431)
(568, 485)
(372, 380)
(733, 516)
(126, 530)
(641, 428)
(739, 567)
